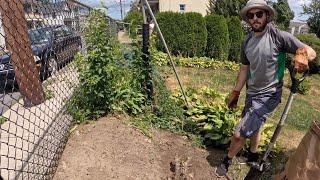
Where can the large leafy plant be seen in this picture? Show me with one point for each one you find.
(107, 78)
(215, 122)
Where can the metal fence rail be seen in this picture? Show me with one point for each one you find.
(38, 42)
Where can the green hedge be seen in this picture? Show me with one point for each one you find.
(236, 35)
(184, 33)
(196, 34)
(314, 42)
(218, 43)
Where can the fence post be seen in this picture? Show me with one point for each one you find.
(18, 44)
(146, 55)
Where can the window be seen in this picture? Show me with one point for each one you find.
(182, 7)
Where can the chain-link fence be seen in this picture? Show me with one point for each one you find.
(38, 42)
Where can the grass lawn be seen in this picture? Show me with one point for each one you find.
(304, 110)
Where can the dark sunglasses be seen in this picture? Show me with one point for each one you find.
(258, 14)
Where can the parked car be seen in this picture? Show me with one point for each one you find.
(52, 47)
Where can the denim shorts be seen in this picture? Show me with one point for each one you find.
(257, 109)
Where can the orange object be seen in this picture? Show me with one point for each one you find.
(301, 60)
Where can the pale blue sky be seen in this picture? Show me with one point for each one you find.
(114, 7)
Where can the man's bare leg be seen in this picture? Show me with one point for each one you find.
(237, 143)
(253, 156)
(254, 142)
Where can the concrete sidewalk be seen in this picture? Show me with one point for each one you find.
(32, 138)
(124, 38)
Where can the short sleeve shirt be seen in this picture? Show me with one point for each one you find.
(265, 56)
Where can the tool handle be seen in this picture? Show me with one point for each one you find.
(296, 81)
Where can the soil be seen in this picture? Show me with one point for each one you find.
(111, 149)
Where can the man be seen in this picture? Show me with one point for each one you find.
(262, 69)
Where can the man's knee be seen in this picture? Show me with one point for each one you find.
(237, 137)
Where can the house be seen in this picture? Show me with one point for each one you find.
(182, 6)
(298, 27)
(41, 13)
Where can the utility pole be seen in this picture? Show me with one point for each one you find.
(121, 10)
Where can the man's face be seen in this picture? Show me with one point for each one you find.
(257, 19)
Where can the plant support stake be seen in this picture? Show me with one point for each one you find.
(167, 49)
(147, 84)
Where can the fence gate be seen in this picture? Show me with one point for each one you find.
(38, 42)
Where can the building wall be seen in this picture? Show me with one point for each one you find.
(190, 5)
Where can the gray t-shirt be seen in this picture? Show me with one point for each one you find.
(265, 56)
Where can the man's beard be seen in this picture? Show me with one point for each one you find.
(259, 29)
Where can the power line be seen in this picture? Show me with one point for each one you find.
(121, 10)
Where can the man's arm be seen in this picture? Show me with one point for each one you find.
(241, 81)
(303, 53)
(242, 77)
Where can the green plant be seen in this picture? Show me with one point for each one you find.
(171, 25)
(215, 122)
(236, 35)
(2, 120)
(48, 93)
(195, 35)
(134, 19)
(304, 87)
(161, 59)
(108, 79)
(185, 33)
(218, 43)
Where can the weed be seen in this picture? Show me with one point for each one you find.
(2, 119)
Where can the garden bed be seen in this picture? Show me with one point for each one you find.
(111, 149)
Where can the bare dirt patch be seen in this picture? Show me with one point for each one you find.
(111, 149)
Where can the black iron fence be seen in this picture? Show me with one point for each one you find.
(38, 42)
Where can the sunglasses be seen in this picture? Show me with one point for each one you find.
(258, 14)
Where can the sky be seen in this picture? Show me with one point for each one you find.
(295, 5)
(114, 7)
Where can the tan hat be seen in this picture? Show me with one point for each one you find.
(260, 4)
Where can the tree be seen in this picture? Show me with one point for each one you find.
(195, 34)
(185, 33)
(236, 35)
(314, 11)
(218, 43)
(226, 8)
(284, 13)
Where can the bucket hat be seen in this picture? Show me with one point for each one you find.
(260, 4)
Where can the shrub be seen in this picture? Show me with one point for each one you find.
(215, 121)
(107, 79)
(314, 42)
(185, 33)
(236, 35)
(218, 43)
(195, 35)
(170, 23)
(135, 19)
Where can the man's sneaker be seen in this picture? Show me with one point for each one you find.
(252, 157)
(222, 169)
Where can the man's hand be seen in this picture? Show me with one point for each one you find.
(301, 60)
(233, 99)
